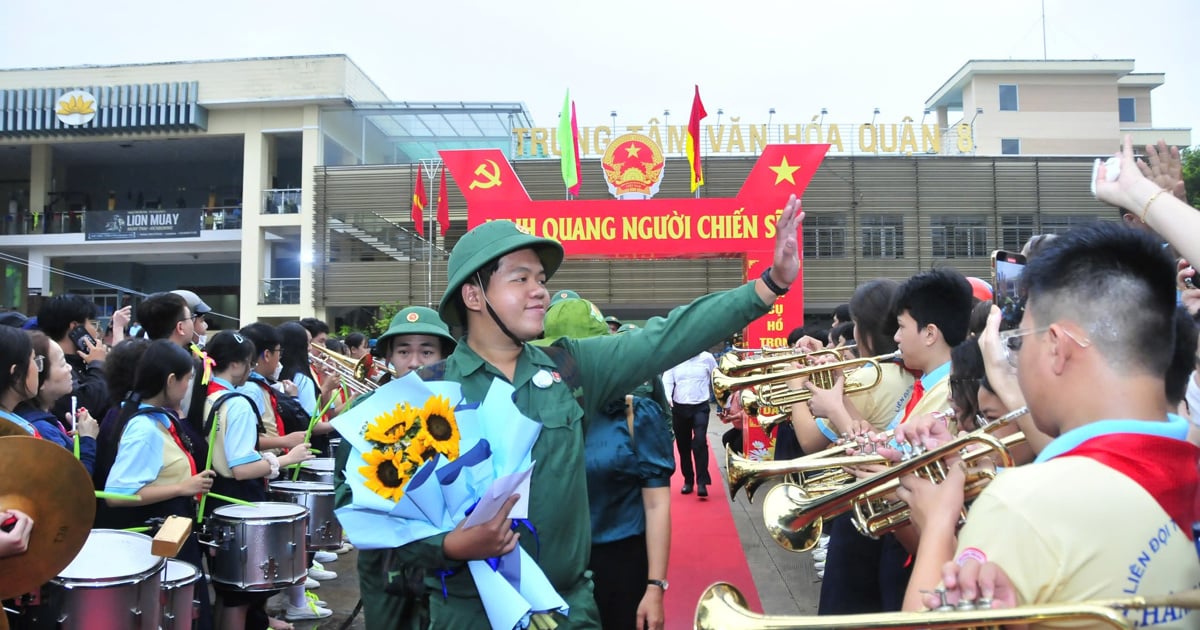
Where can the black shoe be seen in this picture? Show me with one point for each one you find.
(686, 489)
(702, 491)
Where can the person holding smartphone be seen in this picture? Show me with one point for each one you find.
(70, 320)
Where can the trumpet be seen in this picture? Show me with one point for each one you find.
(766, 358)
(356, 375)
(824, 375)
(746, 473)
(795, 519)
(723, 607)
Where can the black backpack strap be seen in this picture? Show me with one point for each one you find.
(212, 413)
(568, 369)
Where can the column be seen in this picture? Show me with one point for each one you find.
(310, 158)
(255, 169)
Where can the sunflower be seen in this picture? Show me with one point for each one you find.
(390, 427)
(419, 450)
(441, 427)
(386, 473)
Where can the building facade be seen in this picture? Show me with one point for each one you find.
(281, 188)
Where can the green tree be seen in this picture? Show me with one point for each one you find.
(1191, 174)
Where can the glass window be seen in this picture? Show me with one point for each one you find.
(959, 236)
(882, 236)
(1127, 108)
(1008, 98)
(1010, 146)
(1015, 230)
(824, 236)
(1060, 224)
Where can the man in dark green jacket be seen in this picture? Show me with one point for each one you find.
(497, 293)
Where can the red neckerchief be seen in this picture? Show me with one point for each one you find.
(179, 443)
(1164, 467)
(279, 428)
(918, 392)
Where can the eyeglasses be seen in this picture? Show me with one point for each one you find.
(1012, 340)
(40, 362)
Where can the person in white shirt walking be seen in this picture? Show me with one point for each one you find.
(689, 388)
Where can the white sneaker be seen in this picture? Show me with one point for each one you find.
(819, 566)
(821, 574)
(325, 556)
(306, 612)
(823, 541)
(317, 572)
(310, 584)
(345, 548)
(819, 554)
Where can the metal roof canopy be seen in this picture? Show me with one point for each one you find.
(419, 129)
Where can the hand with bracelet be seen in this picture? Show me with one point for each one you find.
(1159, 209)
(785, 266)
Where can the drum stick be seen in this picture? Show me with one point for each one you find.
(221, 497)
(74, 409)
(312, 422)
(136, 530)
(212, 441)
(113, 496)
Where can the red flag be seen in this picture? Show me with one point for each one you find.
(420, 200)
(574, 190)
(443, 205)
(693, 140)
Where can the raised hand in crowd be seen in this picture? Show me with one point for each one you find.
(1161, 210)
(120, 320)
(1189, 293)
(93, 351)
(1164, 167)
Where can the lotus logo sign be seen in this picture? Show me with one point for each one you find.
(75, 108)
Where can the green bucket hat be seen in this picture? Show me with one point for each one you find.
(565, 294)
(417, 320)
(626, 328)
(484, 244)
(612, 320)
(576, 318)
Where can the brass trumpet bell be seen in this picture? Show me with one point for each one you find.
(723, 607)
(748, 474)
(724, 383)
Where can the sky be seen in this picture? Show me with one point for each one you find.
(636, 57)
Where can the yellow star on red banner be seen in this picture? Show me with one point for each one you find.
(784, 172)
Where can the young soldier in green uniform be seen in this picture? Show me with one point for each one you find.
(415, 338)
(496, 292)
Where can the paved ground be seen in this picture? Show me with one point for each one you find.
(787, 583)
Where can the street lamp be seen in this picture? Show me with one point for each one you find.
(974, 146)
(666, 117)
(874, 116)
(823, 112)
(719, 112)
(770, 115)
(613, 113)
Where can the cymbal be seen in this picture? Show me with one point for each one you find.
(11, 429)
(45, 481)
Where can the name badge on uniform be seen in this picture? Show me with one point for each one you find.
(542, 379)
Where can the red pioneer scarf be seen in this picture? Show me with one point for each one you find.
(1164, 467)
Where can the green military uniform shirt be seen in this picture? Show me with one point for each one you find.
(608, 367)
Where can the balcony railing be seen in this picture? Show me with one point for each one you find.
(281, 201)
(72, 221)
(280, 291)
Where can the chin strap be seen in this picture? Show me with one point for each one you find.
(496, 318)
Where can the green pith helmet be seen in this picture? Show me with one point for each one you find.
(484, 244)
(565, 294)
(612, 320)
(626, 328)
(576, 318)
(417, 320)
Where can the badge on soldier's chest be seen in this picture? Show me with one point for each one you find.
(542, 379)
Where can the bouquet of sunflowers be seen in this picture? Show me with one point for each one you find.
(404, 438)
(421, 459)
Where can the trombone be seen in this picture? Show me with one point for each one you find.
(356, 375)
(742, 472)
(795, 518)
(725, 383)
(723, 607)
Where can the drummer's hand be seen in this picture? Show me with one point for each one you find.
(293, 439)
(297, 454)
(488, 540)
(14, 538)
(85, 424)
(199, 483)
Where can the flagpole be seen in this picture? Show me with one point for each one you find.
(433, 168)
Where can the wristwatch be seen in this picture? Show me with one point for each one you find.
(659, 583)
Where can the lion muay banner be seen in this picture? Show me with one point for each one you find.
(634, 224)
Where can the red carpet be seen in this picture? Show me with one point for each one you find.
(705, 548)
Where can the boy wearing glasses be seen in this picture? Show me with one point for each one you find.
(1105, 511)
(200, 311)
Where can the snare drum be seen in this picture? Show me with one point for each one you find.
(319, 470)
(324, 532)
(259, 548)
(179, 606)
(113, 584)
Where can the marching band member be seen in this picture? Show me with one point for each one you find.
(1091, 355)
(932, 310)
(241, 469)
(147, 454)
(829, 414)
(496, 291)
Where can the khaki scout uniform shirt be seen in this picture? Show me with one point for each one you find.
(608, 367)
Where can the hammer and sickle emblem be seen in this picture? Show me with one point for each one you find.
(490, 178)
